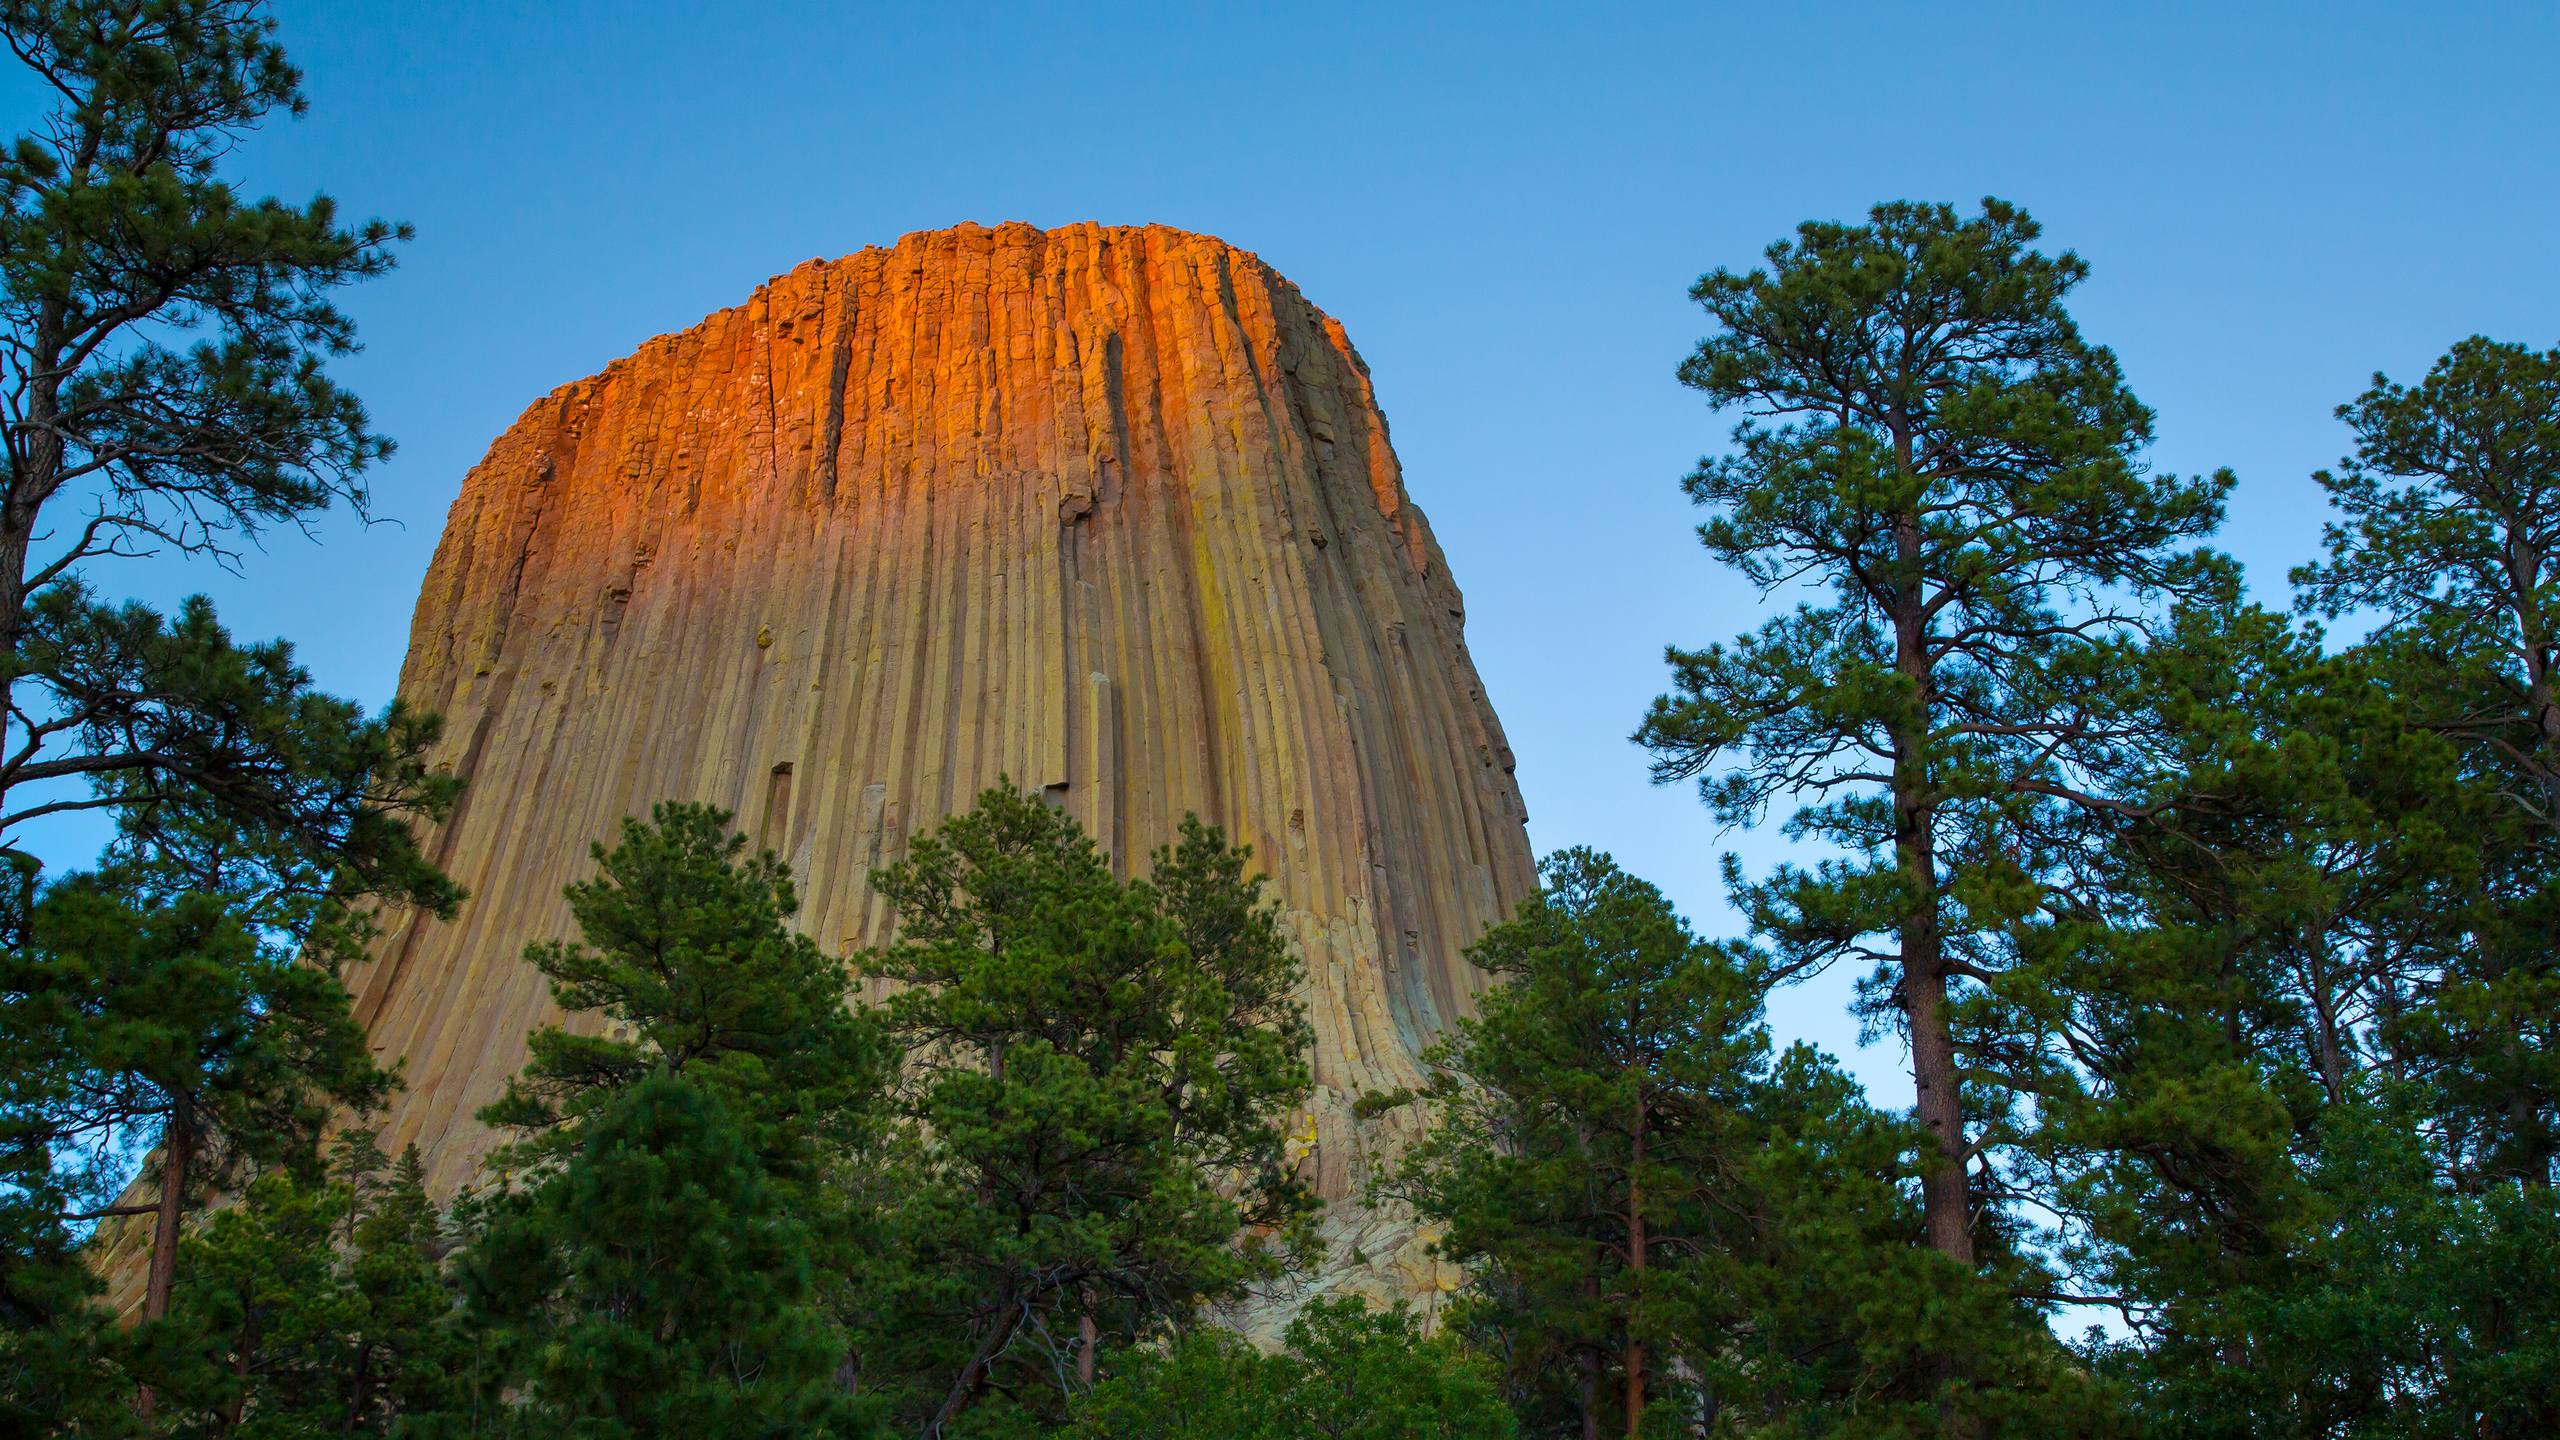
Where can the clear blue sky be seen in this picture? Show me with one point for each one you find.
(1504, 206)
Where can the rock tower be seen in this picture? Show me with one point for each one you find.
(1108, 511)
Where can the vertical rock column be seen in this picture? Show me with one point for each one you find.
(1108, 511)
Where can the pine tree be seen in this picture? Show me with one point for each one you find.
(403, 1352)
(1575, 1104)
(2272, 1092)
(1666, 1226)
(2174, 1015)
(311, 1308)
(688, 957)
(250, 1343)
(2450, 528)
(291, 807)
(187, 995)
(669, 1219)
(134, 1018)
(1933, 444)
(2243, 1150)
(1345, 1372)
(117, 233)
(1090, 1130)
(2449, 535)
(654, 1285)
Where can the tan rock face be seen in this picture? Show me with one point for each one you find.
(1108, 511)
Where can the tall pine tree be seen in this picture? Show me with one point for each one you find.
(164, 389)
(2448, 536)
(1932, 445)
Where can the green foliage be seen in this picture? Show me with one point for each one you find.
(1837, 1322)
(122, 1013)
(224, 768)
(187, 994)
(654, 1285)
(310, 1309)
(2290, 1036)
(164, 390)
(1931, 442)
(1575, 1119)
(119, 243)
(2449, 536)
(2399, 1307)
(62, 1362)
(116, 223)
(1347, 1373)
(670, 1216)
(1665, 1226)
(2449, 531)
(1090, 1127)
(135, 1018)
(689, 958)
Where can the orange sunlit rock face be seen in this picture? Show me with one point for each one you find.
(1110, 511)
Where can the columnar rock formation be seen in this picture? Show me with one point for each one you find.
(1107, 511)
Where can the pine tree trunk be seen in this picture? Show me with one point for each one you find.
(39, 451)
(2533, 1145)
(236, 1409)
(2526, 563)
(1089, 1342)
(973, 1374)
(2328, 1048)
(16, 534)
(357, 1385)
(177, 1153)
(1938, 1102)
(1938, 1105)
(1588, 1357)
(1940, 1111)
(1635, 1267)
